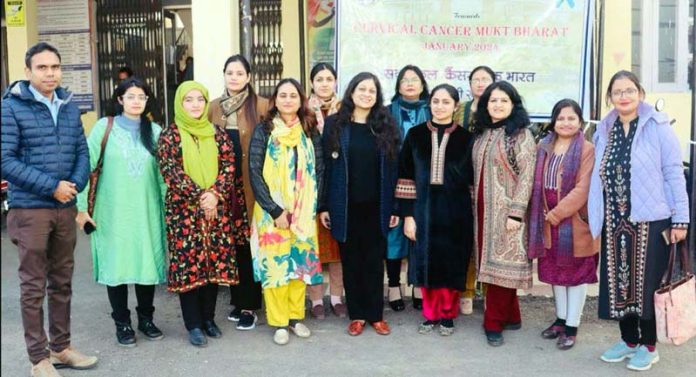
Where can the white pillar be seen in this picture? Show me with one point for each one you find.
(215, 38)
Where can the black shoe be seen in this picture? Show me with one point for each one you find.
(397, 305)
(234, 315)
(148, 328)
(512, 326)
(417, 302)
(494, 338)
(211, 329)
(125, 334)
(247, 321)
(197, 338)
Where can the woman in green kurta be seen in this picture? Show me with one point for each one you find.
(128, 243)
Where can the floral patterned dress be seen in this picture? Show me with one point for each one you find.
(200, 251)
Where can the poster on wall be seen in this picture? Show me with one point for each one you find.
(14, 12)
(541, 46)
(65, 25)
(321, 28)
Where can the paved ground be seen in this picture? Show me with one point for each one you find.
(329, 352)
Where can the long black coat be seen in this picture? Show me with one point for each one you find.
(443, 211)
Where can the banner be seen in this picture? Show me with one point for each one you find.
(321, 28)
(542, 47)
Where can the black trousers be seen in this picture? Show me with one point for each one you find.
(247, 294)
(198, 305)
(638, 331)
(118, 297)
(394, 272)
(363, 270)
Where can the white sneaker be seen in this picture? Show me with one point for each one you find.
(466, 305)
(281, 337)
(300, 330)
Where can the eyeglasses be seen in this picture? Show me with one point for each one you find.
(481, 81)
(414, 80)
(133, 97)
(630, 92)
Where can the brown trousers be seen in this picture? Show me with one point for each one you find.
(46, 241)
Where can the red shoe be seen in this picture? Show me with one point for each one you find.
(381, 328)
(356, 327)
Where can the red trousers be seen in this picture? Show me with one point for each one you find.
(440, 303)
(502, 307)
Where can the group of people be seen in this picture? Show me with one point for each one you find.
(263, 195)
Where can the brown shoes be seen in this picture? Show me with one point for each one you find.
(317, 312)
(565, 342)
(69, 358)
(381, 328)
(44, 368)
(356, 327)
(339, 310)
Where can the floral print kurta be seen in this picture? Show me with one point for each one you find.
(200, 251)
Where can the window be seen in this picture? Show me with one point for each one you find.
(661, 45)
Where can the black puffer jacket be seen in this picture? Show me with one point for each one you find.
(257, 156)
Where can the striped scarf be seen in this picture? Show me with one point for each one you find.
(570, 167)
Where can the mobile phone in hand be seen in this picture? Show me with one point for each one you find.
(89, 228)
(667, 236)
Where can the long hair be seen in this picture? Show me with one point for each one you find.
(146, 137)
(486, 68)
(424, 84)
(518, 118)
(250, 103)
(306, 116)
(379, 119)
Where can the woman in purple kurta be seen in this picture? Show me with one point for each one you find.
(558, 231)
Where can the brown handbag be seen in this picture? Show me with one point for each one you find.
(94, 175)
(675, 302)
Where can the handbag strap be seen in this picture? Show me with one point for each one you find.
(105, 138)
(685, 262)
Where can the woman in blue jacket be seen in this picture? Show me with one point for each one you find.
(409, 107)
(638, 204)
(361, 146)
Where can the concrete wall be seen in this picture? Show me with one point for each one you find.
(617, 56)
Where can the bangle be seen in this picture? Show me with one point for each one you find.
(680, 226)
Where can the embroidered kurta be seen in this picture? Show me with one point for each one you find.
(435, 178)
(582, 270)
(634, 256)
(128, 245)
(200, 251)
(503, 180)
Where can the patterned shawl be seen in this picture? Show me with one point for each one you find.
(570, 166)
(321, 107)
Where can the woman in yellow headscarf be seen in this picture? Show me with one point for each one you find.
(197, 164)
(286, 169)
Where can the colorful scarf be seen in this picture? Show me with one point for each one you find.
(570, 166)
(288, 170)
(198, 146)
(321, 107)
(230, 104)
